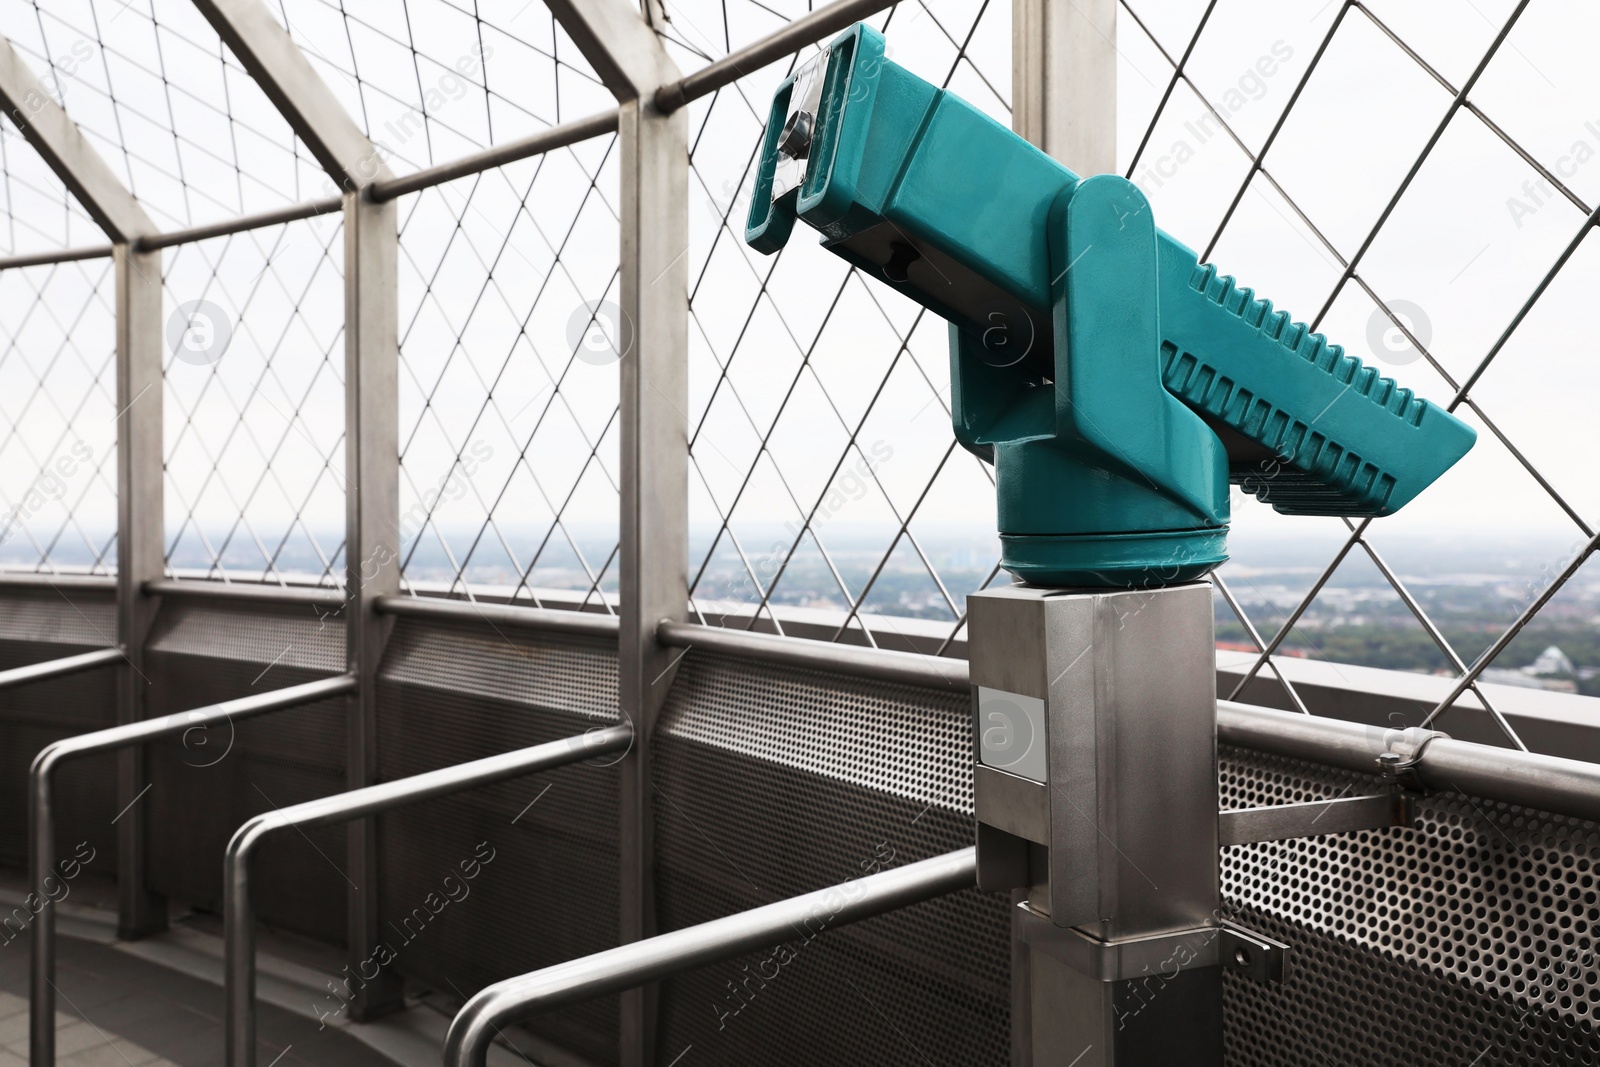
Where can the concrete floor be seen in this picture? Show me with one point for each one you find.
(117, 1010)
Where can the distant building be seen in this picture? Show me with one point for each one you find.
(1551, 661)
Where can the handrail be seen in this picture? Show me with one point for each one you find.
(446, 609)
(41, 824)
(654, 958)
(1528, 779)
(98, 583)
(239, 920)
(55, 668)
(806, 30)
(1550, 783)
(317, 596)
(907, 668)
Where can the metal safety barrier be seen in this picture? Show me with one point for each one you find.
(41, 824)
(55, 668)
(1530, 779)
(239, 950)
(665, 955)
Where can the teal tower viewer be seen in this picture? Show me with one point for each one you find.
(1116, 384)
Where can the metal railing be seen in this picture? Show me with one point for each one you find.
(665, 955)
(41, 824)
(1564, 786)
(239, 917)
(55, 668)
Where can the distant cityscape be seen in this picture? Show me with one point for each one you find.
(1471, 587)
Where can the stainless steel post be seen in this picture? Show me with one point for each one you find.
(239, 917)
(372, 542)
(1096, 790)
(141, 476)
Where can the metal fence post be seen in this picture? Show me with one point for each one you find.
(655, 525)
(140, 533)
(1064, 80)
(372, 551)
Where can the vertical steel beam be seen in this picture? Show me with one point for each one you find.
(372, 549)
(654, 502)
(1064, 80)
(655, 489)
(372, 454)
(140, 558)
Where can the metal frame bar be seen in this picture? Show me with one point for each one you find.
(46, 259)
(551, 620)
(141, 487)
(41, 824)
(55, 668)
(100, 583)
(567, 133)
(248, 593)
(906, 668)
(631, 965)
(86, 175)
(277, 216)
(807, 30)
(1064, 78)
(239, 951)
(1314, 818)
(372, 540)
(63, 147)
(275, 62)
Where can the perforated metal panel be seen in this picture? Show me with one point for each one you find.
(452, 693)
(771, 783)
(1466, 940)
(44, 624)
(206, 784)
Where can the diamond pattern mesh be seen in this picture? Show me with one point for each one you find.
(166, 105)
(432, 80)
(821, 457)
(58, 395)
(508, 418)
(255, 405)
(1428, 115)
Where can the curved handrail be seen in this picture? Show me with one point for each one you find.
(239, 955)
(41, 823)
(626, 966)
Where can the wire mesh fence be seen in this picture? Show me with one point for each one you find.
(1446, 252)
(510, 344)
(255, 479)
(1414, 180)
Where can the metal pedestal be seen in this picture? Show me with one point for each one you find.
(1096, 791)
